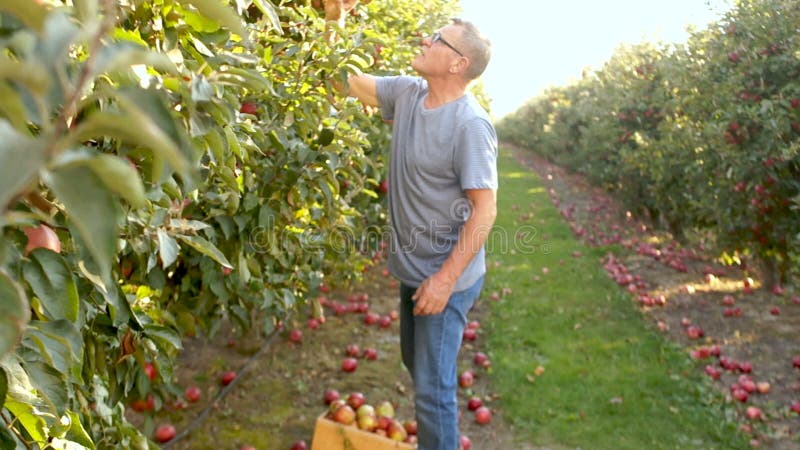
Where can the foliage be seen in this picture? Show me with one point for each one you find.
(196, 165)
(703, 136)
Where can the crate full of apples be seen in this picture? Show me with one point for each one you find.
(352, 423)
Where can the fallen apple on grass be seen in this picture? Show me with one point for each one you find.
(466, 379)
(228, 377)
(192, 394)
(164, 433)
(349, 364)
(483, 415)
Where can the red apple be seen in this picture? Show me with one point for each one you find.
(370, 354)
(371, 318)
(745, 367)
(150, 370)
(466, 444)
(385, 321)
(349, 364)
(141, 405)
(344, 415)
(41, 237)
(754, 413)
(694, 332)
(353, 350)
(355, 400)
(474, 325)
(336, 404)
(466, 379)
(795, 407)
(299, 445)
(483, 415)
(296, 335)
(249, 108)
(193, 394)
(164, 433)
(480, 358)
(740, 394)
(331, 395)
(712, 372)
(411, 426)
(228, 377)
(313, 323)
(796, 362)
(474, 403)
(470, 334)
(395, 431)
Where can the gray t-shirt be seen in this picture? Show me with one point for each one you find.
(436, 155)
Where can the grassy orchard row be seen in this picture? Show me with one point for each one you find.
(165, 166)
(702, 137)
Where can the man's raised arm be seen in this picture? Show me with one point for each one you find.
(360, 86)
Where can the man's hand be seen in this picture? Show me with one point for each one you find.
(336, 10)
(432, 295)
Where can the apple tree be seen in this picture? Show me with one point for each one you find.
(166, 166)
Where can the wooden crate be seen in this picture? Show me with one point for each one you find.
(330, 435)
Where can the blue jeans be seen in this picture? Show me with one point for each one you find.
(430, 345)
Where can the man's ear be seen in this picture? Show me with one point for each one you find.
(461, 66)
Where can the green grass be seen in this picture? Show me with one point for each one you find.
(592, 341)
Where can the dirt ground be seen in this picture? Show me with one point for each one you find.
(276, 401)
(279, 394)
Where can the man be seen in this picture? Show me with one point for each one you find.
(442, 204)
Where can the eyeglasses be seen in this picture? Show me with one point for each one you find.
(437, 37)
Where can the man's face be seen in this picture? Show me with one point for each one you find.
(439, 51)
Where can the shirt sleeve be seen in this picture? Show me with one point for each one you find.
(476, 155)
(389, 89)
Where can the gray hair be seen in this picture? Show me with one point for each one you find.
(478, 48)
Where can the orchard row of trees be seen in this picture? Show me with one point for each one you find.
(702, 137)
(166, 165)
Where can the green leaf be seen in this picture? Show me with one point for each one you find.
(7, 439)
(77, 432)
(269, 10)
(50, 385)
(123, 55)
(85, 10)
(134, 126)
(206, 248)
(219, 11)
(166, 338)
(30, 13)
(90, 207)
(14, 313)
(52, 282)
(12, 107)
(168, 248)
(20, 159)
(55, 348)
(118, 174)
(3, 384)
(30, 418)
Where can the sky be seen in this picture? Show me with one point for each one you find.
(541, 43)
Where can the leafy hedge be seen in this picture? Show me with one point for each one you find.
(702, 137)
(196, 166)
